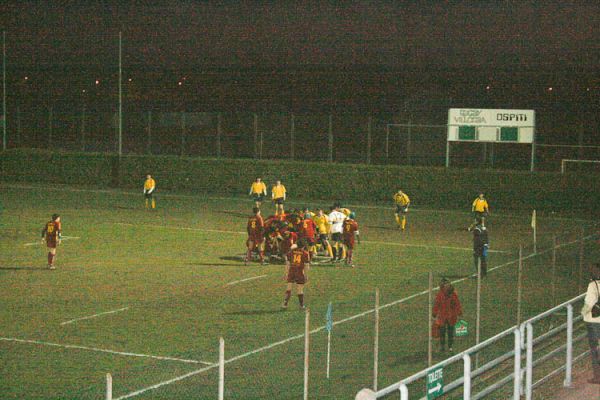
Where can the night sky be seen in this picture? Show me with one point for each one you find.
(292, 54)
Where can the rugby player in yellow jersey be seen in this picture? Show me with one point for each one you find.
(480, 210)
(149, 186)
(278, 194)
(323, 229)
(259, 191)
(402, 202)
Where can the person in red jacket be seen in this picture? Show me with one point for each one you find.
(446, 311)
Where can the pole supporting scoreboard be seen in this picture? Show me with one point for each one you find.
(491, 126)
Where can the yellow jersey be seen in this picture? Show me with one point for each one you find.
(322, 223)
(258, 188)
(278, 192)
(401, 199)
(149, 184)
(480, 205)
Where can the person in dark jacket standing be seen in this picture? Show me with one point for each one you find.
(480, 246)
(446, 310)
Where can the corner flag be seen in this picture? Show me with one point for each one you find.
(329, 317)
(533, 221)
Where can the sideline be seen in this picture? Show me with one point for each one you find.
(120, 353)
(245, 280)
(94, 316)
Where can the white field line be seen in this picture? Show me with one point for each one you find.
(341, 321)
(506, 215)
(40, 242)
(244, 233)
(94, 316)
(245, 280)
(121, 353)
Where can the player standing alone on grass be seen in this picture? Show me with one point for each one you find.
(51, 234)
(149, 186)
(278, 194)
(402, 202)
(480, 210)
(350, 227)
(259, 191)
(296, 267)
(256, 236)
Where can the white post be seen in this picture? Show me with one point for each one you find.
(519, 284)
(467, 377)
(328, 351)
(478, 321)
(529, 365)
(553, 270)
(306, 351)
(108, 387)
(517, 367)
(535, 239)
(376, 344)
(403, 392)
(4, 90)
(221, 368)
(430, 321)
(120, 96)
(569, 364)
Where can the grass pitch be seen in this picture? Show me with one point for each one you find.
(145, 295)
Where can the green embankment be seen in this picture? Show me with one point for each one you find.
(430, 187)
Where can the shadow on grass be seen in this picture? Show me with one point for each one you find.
(256, 312)
(234, 213)
(23, 268)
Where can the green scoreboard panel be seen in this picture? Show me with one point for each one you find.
(509, 134)
(466, 132)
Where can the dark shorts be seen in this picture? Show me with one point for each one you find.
(259, 197)
(336, 237)
(149, 195)
(256, 241)
(295, 275)
(479, 214)
(51, 244)
(401, 209)
(278, 200)
(322, 238)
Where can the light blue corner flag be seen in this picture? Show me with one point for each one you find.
(329, 318)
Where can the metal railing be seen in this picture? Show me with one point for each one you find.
(522, 378)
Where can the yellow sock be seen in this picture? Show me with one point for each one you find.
(398, 220)
(343, 252)
(329, 250)
(403, 223)
(153, 203)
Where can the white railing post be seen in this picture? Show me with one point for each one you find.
(108, 387)
(529, 366)
(517, 380)
(569, 364)
(403, 392)
(467, 377)
(221, 368)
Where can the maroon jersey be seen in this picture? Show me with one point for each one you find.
(298, 259)
(255, 227)
(289, 238)
(51, 233)
(307, 229)
(349, 227)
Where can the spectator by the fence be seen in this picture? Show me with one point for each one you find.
(480, 247)
(591, 316)
(446, 310)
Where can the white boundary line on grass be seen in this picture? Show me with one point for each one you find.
(316, 330)
(40, 242)
(121, 353)
(94, 316)
(67, 188)
(244, 233)
(245, 280)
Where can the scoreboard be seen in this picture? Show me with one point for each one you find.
(491, 125)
